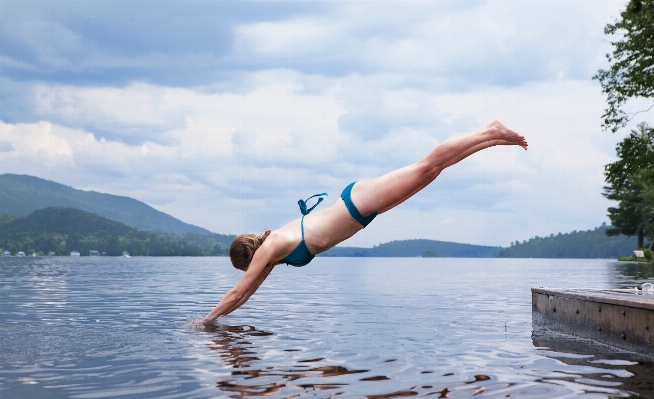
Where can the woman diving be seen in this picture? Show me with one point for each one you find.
(299, 241)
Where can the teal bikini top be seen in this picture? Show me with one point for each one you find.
(301, 256)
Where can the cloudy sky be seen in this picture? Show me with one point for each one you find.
(224, 114)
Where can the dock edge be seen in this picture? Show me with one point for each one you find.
(620, 318)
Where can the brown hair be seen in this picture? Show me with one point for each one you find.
(243, 248)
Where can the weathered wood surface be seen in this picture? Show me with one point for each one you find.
(620, 318)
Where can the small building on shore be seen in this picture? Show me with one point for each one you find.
(74, 253)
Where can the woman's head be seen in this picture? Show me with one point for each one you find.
(243, 248)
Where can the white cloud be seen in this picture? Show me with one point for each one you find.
(32, 147)
(439, 44)
(48, 42)
(134, 114)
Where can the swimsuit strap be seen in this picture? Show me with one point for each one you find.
(305, 211)
(303, 203)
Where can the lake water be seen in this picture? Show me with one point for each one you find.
(354, 327)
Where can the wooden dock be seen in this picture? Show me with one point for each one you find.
(622, 318)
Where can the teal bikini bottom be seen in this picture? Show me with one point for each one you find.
(347, 198)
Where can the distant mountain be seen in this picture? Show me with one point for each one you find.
(21, 195)
(578, 244)
(62, 230)
(413, 248)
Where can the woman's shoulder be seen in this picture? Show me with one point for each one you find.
(280, 235)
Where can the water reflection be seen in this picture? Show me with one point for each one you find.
(631, 274)
(253, 379)
(596, 364)
(253, 375)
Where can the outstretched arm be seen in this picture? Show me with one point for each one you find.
(253, 289)
(257, 272)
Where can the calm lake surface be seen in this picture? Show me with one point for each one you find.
(350, 327)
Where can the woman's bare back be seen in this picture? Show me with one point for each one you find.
(323, 229)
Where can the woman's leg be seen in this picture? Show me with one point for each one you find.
(391, 189)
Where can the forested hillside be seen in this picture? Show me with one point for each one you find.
(21, 195)
(62, 230)
(578, 244)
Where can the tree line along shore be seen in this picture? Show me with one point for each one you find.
(630, 75)
(60, 231)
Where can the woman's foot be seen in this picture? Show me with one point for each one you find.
(506, 135)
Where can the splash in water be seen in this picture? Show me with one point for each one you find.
(194, 321)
